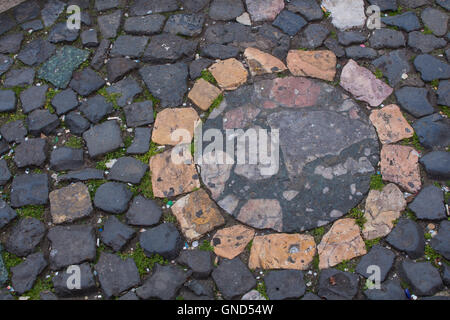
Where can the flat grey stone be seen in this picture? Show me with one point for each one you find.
(185, 24)
(284, 284)
(429, 204)
(441, 242)
(128, 169)
(390, 290)
(233, 278)
(60, 33)
(143, 212)
(425, 43)
(166, 82)
(387, 38)
(5, 174)
(407, 21)
(29, 189)
(199, 261)
(407, 236)
(25, 236)
(129, 46)
(310, 9)
(26, 11)
(219, 51)
(89, 38)
(139, 113)
(289, 22)
(357, 52)
(83, 175)
(103, 138)
(344, 285)
(70, 245)
(130, 295)
(24, 275)
(163, 239)
(101, 5)
(87, 282)
(414, 100)
(385, 5)
(7, 100)
(118, 67)
(100, 54)
(34, 25)
(194, 5)
(76, 123)
(109, 24)
(197, 66)
(19, 78)
(313, 36)
(437, 164)
(115, 234)
(116, 275)
(112, 197)
(163, 283)
(64, 158)
(14, 131)
(167, 48)
(65, 101)
(51, 11)
(393, 65)
(7, 214)
(144, 25)
(5, 63)
(431, 68)
(96, 108)
(144, 7)
(444, 93)
(378, 256)
(32, 152)
(33, 98)
(225, 9)
(6, 23)
(42, 121)
(141, 141)
(424, 279)
(86, 82)
(433, 131)
(436, 20)
(11, 43)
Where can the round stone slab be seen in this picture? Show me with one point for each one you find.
(327, 152)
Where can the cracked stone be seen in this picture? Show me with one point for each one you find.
(342, 242)
(382, 209)
(399, 164)
(319, 64)
(232, 241)
(391, 125)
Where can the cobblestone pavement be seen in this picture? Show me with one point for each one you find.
(358, 205)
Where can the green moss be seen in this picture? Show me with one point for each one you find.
(179, 298)
(143, 263)
(110, 97)
(410, 215)
(153, 150)
(318, 233)
(10, 117)
(427, 236)
(376, 182)
(93, 186)
(206, 75)
(121, 152)
(146, 96)
(427, 30)
(49, 95)
(261, 288)
(396, 12)
(371, 243)
(413, 141)
(346, 266)
(333, 34)
(168, 217)
(327, 14)
(144, 188)
(249, 245)
(32, 211)
(432, 256)
(10, 260)
(435, 83)
(40, 286)
(358, 215)
(445, 110)
(74, 142)
(315, 262)
(214, 105)
(378, 73)
(206, 246)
